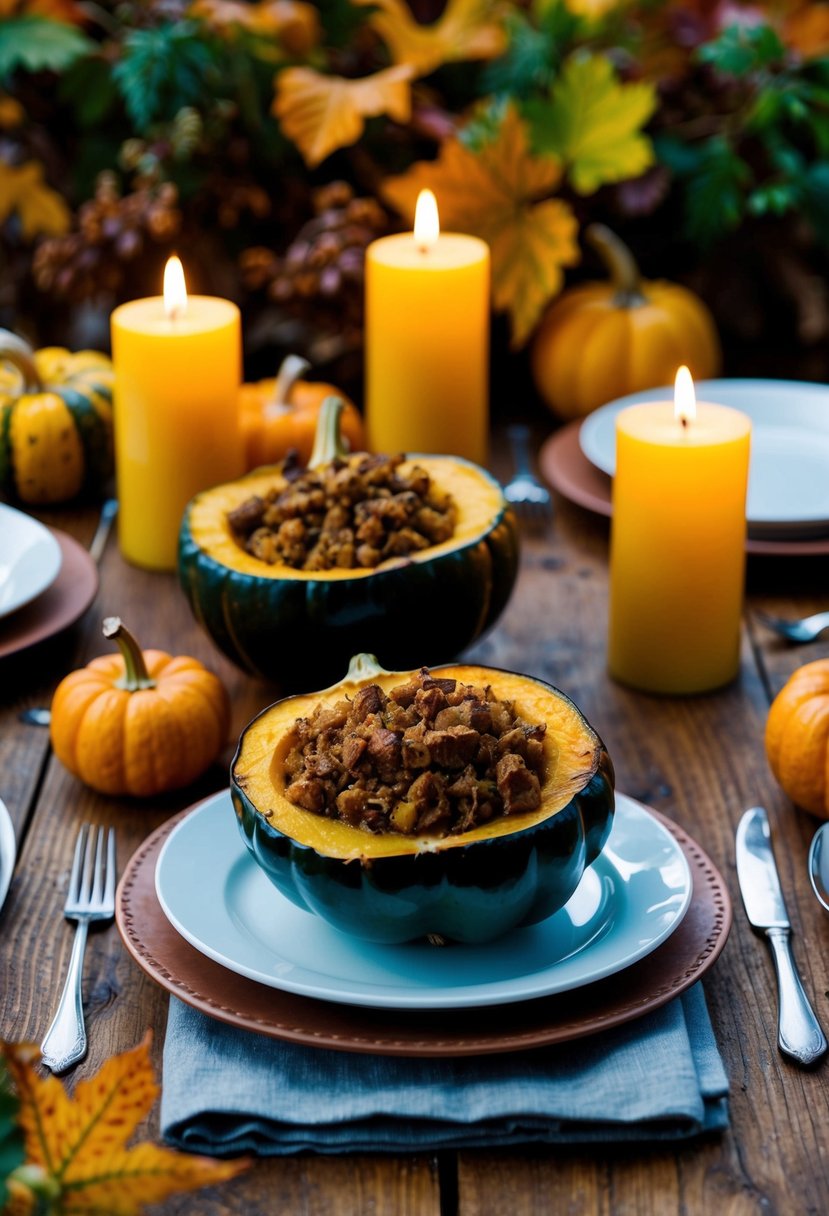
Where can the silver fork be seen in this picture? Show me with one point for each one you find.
(807, 629)
(91, 896)
(531, 499)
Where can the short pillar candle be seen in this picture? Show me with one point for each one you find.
(677, 549)
(427, 340)
(178, 364)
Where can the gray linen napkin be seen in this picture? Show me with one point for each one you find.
(229, 1091)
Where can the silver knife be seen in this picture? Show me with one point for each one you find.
(798, 1032)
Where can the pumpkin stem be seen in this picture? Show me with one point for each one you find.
(364, 666)
(621, 264)
(328, 441)
(135, 669)
(21, 356)
(293, 367)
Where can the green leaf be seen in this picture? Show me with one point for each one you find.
(592, 122)
(815, 199)
(716, 193)
(36, 44)
(11, 1139)
(163, 70)
(773, 198)
(741, 49)
(682, 159)
(88, 86)
(528, 62)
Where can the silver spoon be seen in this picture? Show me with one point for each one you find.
(819, 865)
(807, 629)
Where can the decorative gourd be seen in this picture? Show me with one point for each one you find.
(601, 341)
(139, 722)
(55, 422)
(797, 737)
(468, 887)
(277, 415)
(299, 627)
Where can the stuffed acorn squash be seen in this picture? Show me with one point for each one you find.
(392, 887)
(299, 627)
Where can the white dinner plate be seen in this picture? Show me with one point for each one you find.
(788, 485)
(30, 559)
(215, 895)
(8, 851)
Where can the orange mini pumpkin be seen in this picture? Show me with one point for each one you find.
(601, 341)
(139, 722)
(797, 737)
(277, 415)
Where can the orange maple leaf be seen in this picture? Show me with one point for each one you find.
(323, 113)
(57, 10)
(294, 24)
(78, 1146)
(501, 194)
(39, 208)
(806, 30)
(467, 29)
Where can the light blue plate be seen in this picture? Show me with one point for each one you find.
(788, 482)
(217, 898)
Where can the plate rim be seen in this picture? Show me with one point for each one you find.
(180, 971)
(46, 537)
(60, 605)
(805, 388)
(8, 851)
(367, 995)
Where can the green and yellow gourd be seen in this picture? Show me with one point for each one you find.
(469, 887)
(55, 422)
(299, 628)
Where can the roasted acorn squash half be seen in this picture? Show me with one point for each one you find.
(392, 888)
(300, 628)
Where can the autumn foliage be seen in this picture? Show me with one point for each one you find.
(77, 1159)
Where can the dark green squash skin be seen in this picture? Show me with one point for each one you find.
(301, 634)
(470, 893)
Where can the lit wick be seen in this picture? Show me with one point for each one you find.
(427, 221)
(685, 399)
(175, 290)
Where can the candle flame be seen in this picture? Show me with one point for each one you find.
(427, 221)
(685, 399)
(175, 291)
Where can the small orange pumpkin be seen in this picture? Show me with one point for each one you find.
(797, 737)
(601, 341)
(277, 415)
(139, 722)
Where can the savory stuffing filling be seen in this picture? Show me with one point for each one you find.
(434, 756)
(351, 513)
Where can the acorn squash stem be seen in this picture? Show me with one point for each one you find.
(17, 352)
(292, 369)
(328, 441)
(621, 264)
(135, 669)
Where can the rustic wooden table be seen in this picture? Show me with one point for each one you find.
(700, 760)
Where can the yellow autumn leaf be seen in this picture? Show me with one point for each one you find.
(23, 192)
(78, 1145)
(323, 113)
(501, 194)
(467, 29)
(294, 24)
(593, 122)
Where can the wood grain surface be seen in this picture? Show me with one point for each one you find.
(699, 760)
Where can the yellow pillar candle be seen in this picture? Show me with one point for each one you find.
(677, 550)
(178, 366)
(427, 340)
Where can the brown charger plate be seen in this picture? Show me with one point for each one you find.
(568, 471)
(60, 605)
(174, 964)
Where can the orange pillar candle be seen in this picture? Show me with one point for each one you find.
(427, 340)
(677, 548)
(178, 366)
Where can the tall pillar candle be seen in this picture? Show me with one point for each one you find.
(677, 549)
(178, 365)
(427, 340)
